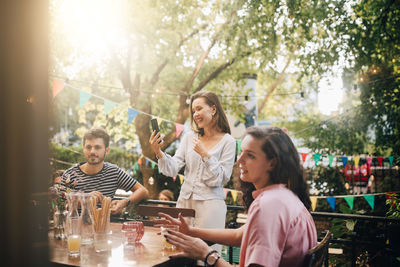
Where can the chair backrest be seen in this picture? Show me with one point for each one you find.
(318, 255)
(152, 211)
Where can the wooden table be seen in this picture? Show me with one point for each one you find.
(148, 252)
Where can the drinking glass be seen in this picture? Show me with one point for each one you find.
(74, 236)
(133, 232)
(164, 229)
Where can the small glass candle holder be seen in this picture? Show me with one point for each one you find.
(133, 232)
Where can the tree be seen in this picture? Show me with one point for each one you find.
(374, 44)
(176, 48)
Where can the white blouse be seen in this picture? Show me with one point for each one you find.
(203, 180)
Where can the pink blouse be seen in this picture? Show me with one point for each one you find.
(279, 229)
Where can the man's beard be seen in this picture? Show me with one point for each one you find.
(96, 161)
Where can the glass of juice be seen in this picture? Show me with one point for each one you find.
(74, 236)
(164, 228)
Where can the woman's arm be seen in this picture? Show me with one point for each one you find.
(228, 237)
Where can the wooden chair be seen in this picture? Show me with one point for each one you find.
(318, 255)
(152, 211)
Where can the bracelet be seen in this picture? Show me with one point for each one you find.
(129, 202)
(209, 253)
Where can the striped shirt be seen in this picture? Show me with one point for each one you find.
(106, 181)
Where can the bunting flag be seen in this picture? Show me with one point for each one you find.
(153, 165)
(331, 201)
(380, 160)
(179, 128)
(108, 106)
(137, 167)
(181, 178)
(132, 113)
(239, 146)
(350, 201)
(174, 178)
(303, 157)
(331, 157)
(390, 158)
(371, 200)
(344, 160)
(234, 194)
(225, 192)
(146, 162)
(159, 120)
(83, 98)
(316, 158)
(356, 161)
(58, 86)
(369, 161)
(313, 203)
(139, 161)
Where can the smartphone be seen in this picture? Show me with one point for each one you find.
(154, 125)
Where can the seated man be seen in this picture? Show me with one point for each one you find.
(100, 178)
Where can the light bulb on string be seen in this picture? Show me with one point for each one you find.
(151, 180)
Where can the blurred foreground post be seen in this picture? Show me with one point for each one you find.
(24, 115)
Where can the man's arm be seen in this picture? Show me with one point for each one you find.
(139, 192)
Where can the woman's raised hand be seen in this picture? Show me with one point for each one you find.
(155, 142)
(181, 222)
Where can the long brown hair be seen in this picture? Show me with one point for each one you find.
(219, 119)
(277, 145)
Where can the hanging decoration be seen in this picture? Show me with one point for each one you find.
(316, 158)
(331, 157)
(58, 86)
(331, 201)
(313, 203)
(350, 201)
(303, 157)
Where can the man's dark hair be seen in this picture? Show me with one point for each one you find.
(97, 133)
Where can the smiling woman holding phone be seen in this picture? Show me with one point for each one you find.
(208, 154)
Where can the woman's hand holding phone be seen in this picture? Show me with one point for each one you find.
(156, 139)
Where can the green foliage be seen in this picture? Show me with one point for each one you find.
(393, 202)
(328, 181)
(72, 155)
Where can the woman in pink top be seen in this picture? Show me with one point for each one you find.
(279, 229)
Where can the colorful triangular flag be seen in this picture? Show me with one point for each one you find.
(380, 160)
(390, 158)
(330, 157)
(344, 160)
(108, 106)
(356, 161)
(132, 113)
(58, 86)
(313, 203)
(369, 161)
(316, 158)
(350, 201)
(181, 178)
(239, 146)
(331, 201)
(225, 192)
(370, 199)
(83, 97)
(303, 157)
(159, 120)
(234, 194)
(179, 128)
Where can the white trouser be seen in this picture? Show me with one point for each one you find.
(210, 214)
